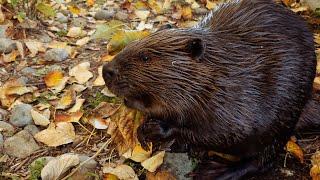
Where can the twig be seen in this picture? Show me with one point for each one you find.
(84, 162)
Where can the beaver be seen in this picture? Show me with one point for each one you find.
(236, 83)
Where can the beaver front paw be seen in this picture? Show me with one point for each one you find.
(154, 131)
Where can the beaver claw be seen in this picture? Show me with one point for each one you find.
(153, 131)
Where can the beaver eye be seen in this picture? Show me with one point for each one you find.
(145, 58)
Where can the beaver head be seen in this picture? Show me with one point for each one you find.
(162, 74)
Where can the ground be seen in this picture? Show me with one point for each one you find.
(55, 105)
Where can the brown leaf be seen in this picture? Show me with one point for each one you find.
(160, 176)
(123, 128)
(53, 78)
(295, 150)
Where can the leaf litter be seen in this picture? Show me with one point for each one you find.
(71, 107)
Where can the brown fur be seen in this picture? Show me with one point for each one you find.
(236, 83)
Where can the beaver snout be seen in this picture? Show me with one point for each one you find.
(108, 72)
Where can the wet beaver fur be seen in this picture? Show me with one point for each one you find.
(236, 83)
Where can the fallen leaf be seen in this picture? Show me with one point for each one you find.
(160, 175)
(77, 106)
(34, 47)
(46, 9)
(81, 72)
(153, 162)
(186, 13)
(74, 9)
(98, 122)
(2, 16)
(105, 31)
(58, 166)
(123, 128)
(58, 88)
(105, 91)
(99, 81)
(68, 117)
(82, 41)
(120, 39)
(142, 14)
(40, 119)
(56, 135)
(75, 32)
(90, 2)
(10, 57)
(53, 78)
(67, 99)
(315, 169)
(295, 150)
(139, 154)
(211, 5)
(122, 171)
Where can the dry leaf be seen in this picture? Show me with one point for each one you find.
(81, 72)
(105, 91)
(68, 117)
(99, 81)
(2, 16)
(53, 78)
(34, 47)
(160, 175)
(75, 32)
(186, 12)
(40, 119)
(123, 128)
(56, 135)
(58, 88)
(295, 150)
(211, 5)
(122, 38)
(122, 171)
(154, 162)
(142, 14)
(61, 45)
(98, 122)
(11, 57)
(58, 166)
(83, 41)
(139, 154)
(90, 2)
(77, 106)
(74, 9)
(67, 100)
(315, 169)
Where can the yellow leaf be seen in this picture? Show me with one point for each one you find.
(67, 100)
(211, 5)
(122, 38)
(53, 78)
(160, 175)
(81, 72)
(295, 150)
(11, 57)
(40, 119)
(77, 106)
(68, 117)
(56, 135)
(74, 9)
(99, 81)
(139, 154)
(154, 162)
(122, 171)
(46, 9)
(109, 176)
(90, 2)
(186, 12)
(315, 169)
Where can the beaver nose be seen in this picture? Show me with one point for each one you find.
(108, 71)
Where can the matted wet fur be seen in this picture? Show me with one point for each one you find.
(236, 83)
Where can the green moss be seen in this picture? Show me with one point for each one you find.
(35, 169)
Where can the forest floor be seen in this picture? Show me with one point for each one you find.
(57, 117)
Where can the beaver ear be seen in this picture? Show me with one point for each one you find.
(195, 48)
